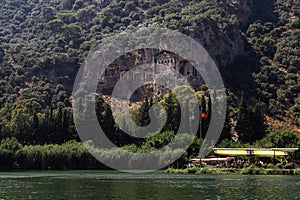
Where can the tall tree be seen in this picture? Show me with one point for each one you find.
(258, 122)
(250, 123)
(226, 132)
(173, 113)
(142, 118)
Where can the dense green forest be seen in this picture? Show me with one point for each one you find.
(43, 44)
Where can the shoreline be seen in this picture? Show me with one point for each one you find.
(187, 171)
(234, 171)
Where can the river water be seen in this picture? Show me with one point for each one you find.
(116, 185)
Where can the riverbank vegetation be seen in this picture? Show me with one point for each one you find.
(244, 171)
(76, 155)
(70, 155)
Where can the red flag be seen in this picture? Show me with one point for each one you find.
(204, 116)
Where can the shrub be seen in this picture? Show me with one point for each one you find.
(204, 170)
(278, 166)
(192, 170)
(252, 170)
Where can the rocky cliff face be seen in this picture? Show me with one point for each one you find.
(222, 44)
(241, 8)
(223, 41)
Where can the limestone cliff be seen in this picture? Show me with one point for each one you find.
(221, 38)
(241, 8)
(222, 44)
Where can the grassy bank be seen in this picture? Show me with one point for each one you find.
(245, 171)
(70, 155)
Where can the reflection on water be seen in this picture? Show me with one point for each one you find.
(114, 185)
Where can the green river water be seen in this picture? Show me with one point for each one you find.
(83, 185)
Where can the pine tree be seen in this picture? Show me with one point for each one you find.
(142, 118)
(250, 123)
(243, 126)
(173, 113)
(186, 123)
(226, 132)
(258, 122)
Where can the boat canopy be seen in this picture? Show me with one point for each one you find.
(258, 152)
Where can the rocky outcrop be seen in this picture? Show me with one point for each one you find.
(241, 8)
(223, 41)
(223, 44)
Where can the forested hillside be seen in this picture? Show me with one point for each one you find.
(255, 44)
